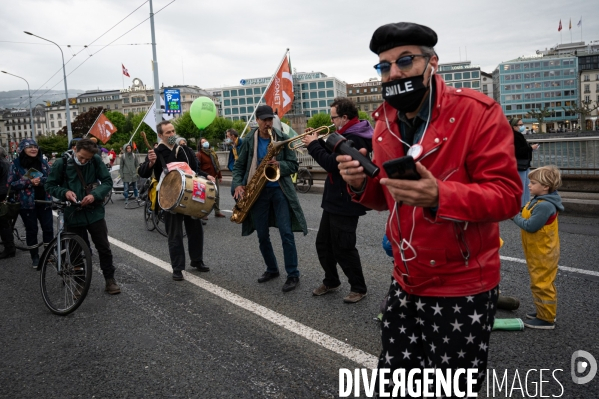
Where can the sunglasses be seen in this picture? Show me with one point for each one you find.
(404, 63)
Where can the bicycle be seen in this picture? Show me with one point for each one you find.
(302, 180)
(153, 219)
(65, 267)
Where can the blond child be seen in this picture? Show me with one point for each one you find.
(540, 240)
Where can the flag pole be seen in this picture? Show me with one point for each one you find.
(142, 121)
(263, 93)
(93, 124)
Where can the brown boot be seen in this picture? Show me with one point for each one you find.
(111, 287)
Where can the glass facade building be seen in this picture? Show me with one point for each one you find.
(313, 93)
(461, 74)
(541, 82)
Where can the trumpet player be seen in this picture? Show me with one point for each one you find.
(336, 238)
(277, 204)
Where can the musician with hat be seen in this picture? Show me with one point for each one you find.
(277, 204)
(443, 227)
(156, 162)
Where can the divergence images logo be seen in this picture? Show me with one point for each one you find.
(579, 367)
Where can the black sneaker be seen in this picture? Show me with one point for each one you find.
(534, 316)
(290, 284)
(267, 276)
(539, 324)
(200, 266)
(178, 275)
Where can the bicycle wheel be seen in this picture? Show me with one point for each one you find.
(108, 198)
(304, 181)
(19, 235)
(64, 290)
(159, 222)
(149, 216)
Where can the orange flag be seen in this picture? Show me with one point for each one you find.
(280, 93)
(102, 129)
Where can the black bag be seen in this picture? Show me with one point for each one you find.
(523, 164)
(9, 210)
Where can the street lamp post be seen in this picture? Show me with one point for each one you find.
(30, 108)
(66, 93)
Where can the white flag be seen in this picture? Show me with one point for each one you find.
(150, 119)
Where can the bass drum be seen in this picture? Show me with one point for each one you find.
(186, 194)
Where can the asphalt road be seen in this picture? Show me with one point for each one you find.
(222, 335)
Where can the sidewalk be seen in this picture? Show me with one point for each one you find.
(576, 203)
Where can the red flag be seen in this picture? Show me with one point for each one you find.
(134, 146)
(125, 72)
(102, 129)
(560, 26)
(280, 93)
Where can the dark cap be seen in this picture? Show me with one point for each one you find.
(264, 112)
(402, 34)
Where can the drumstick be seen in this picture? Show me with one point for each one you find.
(143, 135)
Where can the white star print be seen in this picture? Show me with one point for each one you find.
(402, 316)
(445, 358)
(404, 302)
(470, 298)
(437, 309)
(435, 328)
(406, 354)
(446, 340)
(483, 346)
(413, 338)
(391, 340)
(470, 339)
(420, 305)
(456, 325)
(397, 293)
(475, 362)
(433, 347)
(386, 323)
(389, 308)
(402, 330)
(456, 308)
(423, 337)
(420, 321)
(388, 358)
(475, 317)
(394, 282)
(422, 363)
(461, 353)
(489, 327)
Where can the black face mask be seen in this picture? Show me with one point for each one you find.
(405, 95)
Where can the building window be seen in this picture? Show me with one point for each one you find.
(321, 85)
(242, 110)
(312, 85)
(235, 111)
(59, 116)
(227, 111)
(457, 76)
(59, 124)
(250, 100)
(226, 93)
(322, 103)
(52, 124)
(51, 116)
(322, 94)
(242, 92)
(313, 94)
(250, 110)
(330, 93)
(467, 84)
(304, 86)
(457, 85)
(314, 104)
(330, 84)
(242, 101)
(116, 106)
(475, 84)
(351, 91)
(466, 75)
(234, 102)
(227, 103)
(305, 96)
(475, 74)
(587, 78)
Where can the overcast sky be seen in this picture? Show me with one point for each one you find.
(218, 43)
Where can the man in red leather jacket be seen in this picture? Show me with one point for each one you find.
(444, 227)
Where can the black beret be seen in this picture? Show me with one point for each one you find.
(402, 34)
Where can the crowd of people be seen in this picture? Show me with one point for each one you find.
(442, 227)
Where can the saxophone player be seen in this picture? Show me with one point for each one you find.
(277, 204)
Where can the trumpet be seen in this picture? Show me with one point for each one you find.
(296, 142)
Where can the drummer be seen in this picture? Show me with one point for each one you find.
(157, 159)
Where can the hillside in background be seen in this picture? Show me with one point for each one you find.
(18, 98)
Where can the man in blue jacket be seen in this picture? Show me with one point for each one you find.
(336, 239)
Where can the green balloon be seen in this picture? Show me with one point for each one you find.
(202, 112)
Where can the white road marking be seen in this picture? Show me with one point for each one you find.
(564, 268)
(356, 355)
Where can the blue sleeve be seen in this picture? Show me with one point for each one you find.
(540, 215)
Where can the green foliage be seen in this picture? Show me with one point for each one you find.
(319, 120)
(285, 120)
(52, 143)
(363, 115)
(583, 110)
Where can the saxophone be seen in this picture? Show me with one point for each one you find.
(256, 184)
(268, 172)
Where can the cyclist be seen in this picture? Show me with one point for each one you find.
(77, 180)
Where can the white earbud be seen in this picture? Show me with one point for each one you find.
(432, 70)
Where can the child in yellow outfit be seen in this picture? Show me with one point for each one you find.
(540, 240)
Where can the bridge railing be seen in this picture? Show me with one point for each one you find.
(573, 155)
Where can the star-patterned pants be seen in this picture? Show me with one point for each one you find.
(437, 332)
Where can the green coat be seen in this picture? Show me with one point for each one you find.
(288, 165)
(58, 185)
(129, 165)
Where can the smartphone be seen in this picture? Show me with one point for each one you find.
(402, 168)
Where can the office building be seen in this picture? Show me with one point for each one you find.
(109, 99)
(56, 115)
(464, 74)
(366, 95)
(540, 82)
(313, 93)
(588, 70)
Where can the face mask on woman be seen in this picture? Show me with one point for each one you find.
(522, 129)
(206, 145)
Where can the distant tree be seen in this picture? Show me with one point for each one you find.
(285, 120)
(52, 143)
(363, 115)
(215, 132)
(540, 115)
(185, 127)
(582, 110)
(82, 123)
(319, 120)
